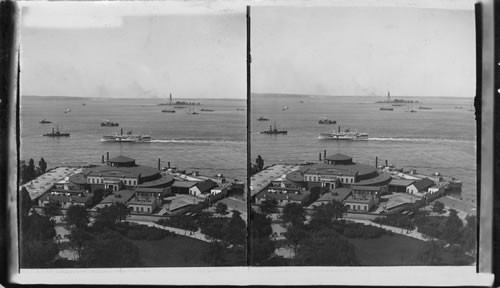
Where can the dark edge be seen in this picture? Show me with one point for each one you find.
(249, 151)
(477, 105)
(496, 140)
(7, 56)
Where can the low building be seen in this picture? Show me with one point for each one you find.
(400, 185)
(122, 196)
(339, 194)
(202, 188)
(182, 187)
(219, 190)
(144, 205)
(283, 196)
(420, 187)
(363, 198)
(66, 198)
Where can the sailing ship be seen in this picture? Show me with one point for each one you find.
(274, 131)
(56, 133)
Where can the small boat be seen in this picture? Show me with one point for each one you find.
(343, 135)
(83, 104)
(108, 123)
(56, 133)
(67, 110)
(240, 109)
(193, 111)
(284, 108)
(129, 137)
(261, 118)
(424, 108)
(386, 109)
(301, 101)
(167, 111)
(207, 110)
(411, 110)
(326, 121)
(179, 107)
(274, 131)
(44, 121)
(398, 105)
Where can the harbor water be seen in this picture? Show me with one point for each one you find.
(441, 139)
(210, 142)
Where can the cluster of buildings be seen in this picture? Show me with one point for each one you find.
(358, 186)
(142, 189)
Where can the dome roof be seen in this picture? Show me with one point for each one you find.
(121, 159)
(338, 157)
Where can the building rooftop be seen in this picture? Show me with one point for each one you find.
(352, 199)
(129, 172)
(262, 179)
(78, 178)
(122, 196)
(338, 194)
(366, 188)
(284, 196)
(121, 159)
(144, 189)
(338, 157)
(401, 182)
(146, 202)
(382, 177)
(295, 176)
(423, 184)
(164, 180)
(206, 185)
(43, 183)
(184, 184)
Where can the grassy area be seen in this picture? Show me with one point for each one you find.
(398, 250)
(181, 251)
(177, 251)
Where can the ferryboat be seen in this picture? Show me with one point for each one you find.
(44, 121)
(343, 135)
(274, 131)
(129, 137)
(56, 133)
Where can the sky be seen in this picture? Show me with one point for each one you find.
(364, 50)
(120, 49)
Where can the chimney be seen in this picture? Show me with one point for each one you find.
(158, 164)
(319, 156)
(107, 156)
(324, 154)
(339, 129)
(53, 130)
(376, 162)
(386, 163)
(168, 164)
(102, 159)
(121, 131)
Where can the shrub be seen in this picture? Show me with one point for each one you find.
(358, 230)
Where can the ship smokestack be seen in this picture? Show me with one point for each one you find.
(386, 163)
(339, 129)
(168, 164)
(376, 162)
(158, 164)
(121, 131)
(319, 156)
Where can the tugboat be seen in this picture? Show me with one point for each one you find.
(167, 111)
(56, 133)
(326, 121)
(274, 131)
(207, 110)
(108, 123)
(386, 109)
(261, 118)
(44, 121)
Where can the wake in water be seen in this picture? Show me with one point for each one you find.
(432, 140)
(197, 141)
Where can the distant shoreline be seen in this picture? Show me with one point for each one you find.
(293, 95)
(52, 97)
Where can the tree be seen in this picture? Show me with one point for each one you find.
(98, 195)
(295, 234)
(438, 207)
(431, 253)
(51, 209)
(215, 254)
(236, 231)
(36, 227)
(452, 228)
(78, 237)
(269, 206)
(260, 225)
(221, 208)
(111, 215)
(471, 222)
(38, 253)
(77, 216)
(260, 163)
(43, 165)
(325, 248)
(261, 250)
(293, 213)
(31, 170)
(25, 200)
(109, 249)
(324, 214)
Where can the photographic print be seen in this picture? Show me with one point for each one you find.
(132, 135)
(363, 135)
